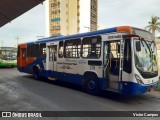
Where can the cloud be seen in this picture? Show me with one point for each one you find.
(111, 13)
(127, 12)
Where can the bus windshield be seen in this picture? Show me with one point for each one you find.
(145, 58)
(8, 55)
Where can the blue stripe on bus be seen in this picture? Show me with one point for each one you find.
(66, 77)
(72, 78)
(29, 68)
(130, 89)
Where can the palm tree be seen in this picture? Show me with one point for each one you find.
(154, 25)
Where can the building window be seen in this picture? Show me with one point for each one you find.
(91, 47)
(72, 48)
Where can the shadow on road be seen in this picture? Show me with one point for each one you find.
(8, 67)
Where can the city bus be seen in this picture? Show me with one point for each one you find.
(8, 57)
(121, 59)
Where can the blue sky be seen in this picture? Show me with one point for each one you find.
(111, 13)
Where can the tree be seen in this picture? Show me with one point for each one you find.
(154, 25)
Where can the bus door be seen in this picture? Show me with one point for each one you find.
(52, 57)
(23, 56)
(112, 64)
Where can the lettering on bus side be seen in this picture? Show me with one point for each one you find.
(66, 63)
(114, 36)
(82, 62)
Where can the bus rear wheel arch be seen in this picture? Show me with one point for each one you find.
(36, 73)
(91, 83)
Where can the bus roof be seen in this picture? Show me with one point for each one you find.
(98, 32)
(59, 38)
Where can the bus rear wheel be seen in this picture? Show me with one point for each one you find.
(91, 85)
(36, 74)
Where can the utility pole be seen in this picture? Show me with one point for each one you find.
(2, 43)
(17, 38)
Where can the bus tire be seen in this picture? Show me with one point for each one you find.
(91, 85)
(36, 73)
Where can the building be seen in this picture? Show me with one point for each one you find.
(68, 17)
(158, 50)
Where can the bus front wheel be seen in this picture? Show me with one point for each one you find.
(91, 85)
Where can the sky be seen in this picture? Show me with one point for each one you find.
(111, 13)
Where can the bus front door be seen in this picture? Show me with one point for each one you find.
(52, 58)
(112, 63)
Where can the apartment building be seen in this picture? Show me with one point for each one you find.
(67, 17)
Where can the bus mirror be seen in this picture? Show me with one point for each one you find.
(138, 46)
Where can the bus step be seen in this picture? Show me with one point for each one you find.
(51, 78)
(112, 90)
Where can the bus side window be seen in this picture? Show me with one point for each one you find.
(91, 47)
(60, 51)
(72, 48)
(42, 50)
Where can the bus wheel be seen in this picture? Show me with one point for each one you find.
(36, 74)
(91, 85)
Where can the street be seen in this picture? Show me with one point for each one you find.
(20, 92)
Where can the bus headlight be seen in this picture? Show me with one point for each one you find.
(138, 79)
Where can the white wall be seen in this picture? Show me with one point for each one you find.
(63, 17)
(73, 17)
(70, 27)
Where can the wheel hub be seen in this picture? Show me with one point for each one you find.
(91, 84)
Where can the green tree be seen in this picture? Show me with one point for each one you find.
(154, 25)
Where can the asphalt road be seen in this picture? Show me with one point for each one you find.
(20, 92)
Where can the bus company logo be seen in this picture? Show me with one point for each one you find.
(114, 36)
(6, 114)
(21, 114)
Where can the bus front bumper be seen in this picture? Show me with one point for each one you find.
(131, 88)
(5, 64)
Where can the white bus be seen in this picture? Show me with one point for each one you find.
(121, 59)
